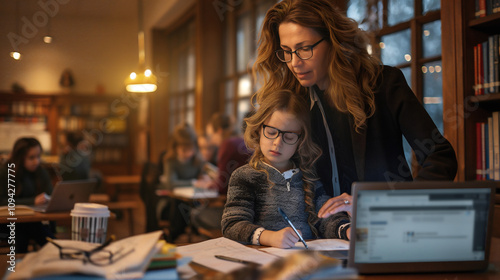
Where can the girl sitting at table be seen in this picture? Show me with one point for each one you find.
(280, 174)
(23, 179)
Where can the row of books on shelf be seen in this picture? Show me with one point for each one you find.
(23, 108)
(23, 119)
(486, 66)
(108, 155)
(488, 148)
(101, 140)
(106, 125)
(486, 7)
(100, 109)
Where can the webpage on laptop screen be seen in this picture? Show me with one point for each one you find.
(421, 225)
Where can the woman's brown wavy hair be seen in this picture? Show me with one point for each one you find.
(307, 151)
(352, 71)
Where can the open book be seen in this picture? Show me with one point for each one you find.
(131, 257)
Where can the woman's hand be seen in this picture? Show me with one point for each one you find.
(336, 204)
(203, 182)
(41, 199)
(285, 238)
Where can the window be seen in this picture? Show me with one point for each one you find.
(242, 30)
(181, 77)
(408, 37)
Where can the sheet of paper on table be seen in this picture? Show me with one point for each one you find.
(318, 245)
(194, 192)
(204, 253)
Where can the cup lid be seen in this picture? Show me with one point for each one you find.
(90, 209)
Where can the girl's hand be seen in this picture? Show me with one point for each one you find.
(285, 238)
(41, 199)
(336, 204)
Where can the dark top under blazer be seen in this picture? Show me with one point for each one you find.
(376, 154)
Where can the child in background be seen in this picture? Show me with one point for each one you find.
(280, 174)
(182, 166)
(32, 186)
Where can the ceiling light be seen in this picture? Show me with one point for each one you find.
(144, 80)
(47, 39)
(15, 55)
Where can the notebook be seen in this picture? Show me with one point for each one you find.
(65, 194)
(411, 227)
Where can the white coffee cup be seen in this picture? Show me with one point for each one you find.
(89, 222)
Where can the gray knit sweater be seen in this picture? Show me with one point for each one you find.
(252, 203)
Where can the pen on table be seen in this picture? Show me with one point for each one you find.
(226, 258)
(293, 227)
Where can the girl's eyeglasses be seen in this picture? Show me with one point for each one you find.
(288, 137)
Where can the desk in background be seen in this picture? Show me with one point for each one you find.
(38, 217)
(210, 201)
(113, 184)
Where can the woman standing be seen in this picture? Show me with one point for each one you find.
(360, 109)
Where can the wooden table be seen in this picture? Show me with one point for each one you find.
(114, 184)
(37, 217)
(493, 272)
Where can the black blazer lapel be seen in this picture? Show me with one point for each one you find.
(359, 149)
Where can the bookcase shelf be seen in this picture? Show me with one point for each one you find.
(55, 115)
(474, 32)
(487, 24)
(489, 102)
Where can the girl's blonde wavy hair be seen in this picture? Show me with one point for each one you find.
(307, 151)
(352, 71)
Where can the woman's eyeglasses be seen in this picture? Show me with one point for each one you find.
(303, 53)
(288, 137)
(97, 256)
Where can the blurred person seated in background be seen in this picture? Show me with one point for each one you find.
(74, 163)
(208, 152)
(207, 149)
(31, 185)
(182, 166)
(232, 153)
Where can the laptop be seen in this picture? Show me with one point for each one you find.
(65, 194)
(425, 226)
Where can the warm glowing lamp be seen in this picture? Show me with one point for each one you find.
(144, 80)
(15, 55)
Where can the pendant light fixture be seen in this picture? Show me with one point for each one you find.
(16, 54)
(143, 80)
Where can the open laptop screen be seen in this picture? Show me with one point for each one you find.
(421, 225)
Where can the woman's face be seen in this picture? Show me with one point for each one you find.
(276, 152)
(313, 71)
(32, 159)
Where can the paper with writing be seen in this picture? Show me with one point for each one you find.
(204, 253)
(318, 245)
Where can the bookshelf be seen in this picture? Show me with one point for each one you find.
(24, 115)
(478, 107)
(104, 124)
(461, 31)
